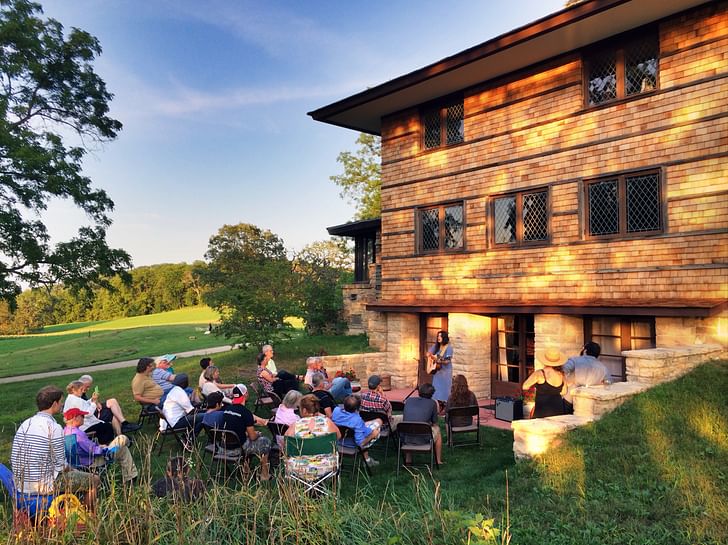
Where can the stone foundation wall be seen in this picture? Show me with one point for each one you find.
(686, 331)
(403, 349)
(558, 330)
(658, 365)
(363, 365)
(471, 342)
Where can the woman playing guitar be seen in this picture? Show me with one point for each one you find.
(439, 364)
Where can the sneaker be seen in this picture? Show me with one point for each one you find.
(371, 462)
(128, 427)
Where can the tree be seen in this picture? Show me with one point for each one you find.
(361, 181)
(322, 268)
(50, 95)
(248, 279)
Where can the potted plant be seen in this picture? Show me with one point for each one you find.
(529, 401)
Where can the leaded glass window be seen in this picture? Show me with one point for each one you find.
(521, 218)
(443, 125)
(442, 228)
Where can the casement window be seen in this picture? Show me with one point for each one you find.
(443, 124)
(441, 228)
(624, 205)
(615, 334)
(622, 69)
(521, 218)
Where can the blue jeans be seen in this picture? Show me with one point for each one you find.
(340, 388)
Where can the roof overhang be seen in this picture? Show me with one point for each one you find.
(600, 307)
(356, 228)
(566, 30)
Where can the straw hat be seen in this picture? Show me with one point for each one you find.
(552, 357)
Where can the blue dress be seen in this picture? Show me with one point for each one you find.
(442, 380)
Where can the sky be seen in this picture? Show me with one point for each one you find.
(213, 95)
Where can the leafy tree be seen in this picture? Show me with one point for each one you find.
(322, 268)
(361, 180)
(249, 280)
(50, 95)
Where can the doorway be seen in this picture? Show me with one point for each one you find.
(430, 324)
(512, 360)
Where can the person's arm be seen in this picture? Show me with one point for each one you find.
(252, 434)
(266, 375)
(260, 421)
(333, 428)
(146, 400)
(86, 445)
(387, 407)
(328, 411)
(536, 377)
(184, 402)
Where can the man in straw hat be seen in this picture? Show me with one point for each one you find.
(549, 384)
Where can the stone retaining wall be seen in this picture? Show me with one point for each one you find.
(657, 365)
(362, 364)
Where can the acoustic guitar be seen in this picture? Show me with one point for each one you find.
(434, 363)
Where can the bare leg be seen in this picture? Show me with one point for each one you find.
(90, 496)
(115, 409)
(438, 449)
(264, 473)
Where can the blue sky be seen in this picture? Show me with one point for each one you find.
(213, 96)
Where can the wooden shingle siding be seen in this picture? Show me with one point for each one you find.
(533, 130)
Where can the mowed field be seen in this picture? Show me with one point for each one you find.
(68, 346)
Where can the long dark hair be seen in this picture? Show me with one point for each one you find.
(445, 339)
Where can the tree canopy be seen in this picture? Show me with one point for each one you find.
(361, 180)
(53, 106)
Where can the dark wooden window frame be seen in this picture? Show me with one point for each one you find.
(441, 105)
(510, 388)
(618, 45)
(519, 218)
(362, 258)
(441, 218)
(622, 200)
(625, 333)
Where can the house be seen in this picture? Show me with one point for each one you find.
(563, 182)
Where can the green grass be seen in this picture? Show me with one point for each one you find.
(652, 472)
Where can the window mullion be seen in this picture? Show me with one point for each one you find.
(622, 203)
(441, 229)
(621, 72)
(519, 218)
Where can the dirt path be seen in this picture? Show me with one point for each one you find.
(78, 371)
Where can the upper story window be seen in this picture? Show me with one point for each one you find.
(521, 218)
(622, 69)
(441, 228)
(623, 205)
(443, 124)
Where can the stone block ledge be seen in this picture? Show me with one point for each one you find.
(534, 437)
(676, 352)
(595, 401)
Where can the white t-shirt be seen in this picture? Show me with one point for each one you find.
(176, 406)
(201, 381)
(87, 406)
(210, 387)
(271, 366)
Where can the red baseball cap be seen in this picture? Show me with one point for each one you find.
(73, 412)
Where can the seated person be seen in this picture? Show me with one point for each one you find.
(314, 364)
(204, 364)
(213, 417)
(180, 413)
(212, 384)
(237, 418)
(280, 383)
(164, 376)
(461, 396)
(144, 389)
(104, 431)
(365, 433)
(108, 411)
(286, 413)
(177, 483)
(327, 402)
(373, 400)
(424, 409)
(340, 388)
(91, 454)
(312, 424)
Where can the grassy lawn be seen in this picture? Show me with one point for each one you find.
(653, 472)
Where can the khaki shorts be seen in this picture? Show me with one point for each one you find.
(74, 481)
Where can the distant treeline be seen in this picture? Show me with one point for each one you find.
(152, 289)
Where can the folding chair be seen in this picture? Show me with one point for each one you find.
(473, 412)
(355, 451)
(264, 399)
(385, 432)
(397, 406)
(415, 437)
(228, 448)
(28, 509)
(178, 434)
(305, 470)
(276, 430)
(70, 447)
(147, 412)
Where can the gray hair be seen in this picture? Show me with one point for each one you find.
(86, 378)
(265, 348)
(292, 399)
(209, 373)
(317, 379)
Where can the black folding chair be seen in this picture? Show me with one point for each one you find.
(355, 452)
(264, 399)
(415, 438)
(385, 432)
(397, 406)
(179, 434)
(473, 413)
(228, 449)
(147, 413)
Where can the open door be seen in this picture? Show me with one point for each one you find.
(513, 358)
(430, 324)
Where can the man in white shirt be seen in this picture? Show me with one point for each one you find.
(38, 457)
(179, 412)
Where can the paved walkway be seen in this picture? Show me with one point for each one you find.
(78, 371)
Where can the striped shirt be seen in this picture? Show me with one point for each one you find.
(37, 455)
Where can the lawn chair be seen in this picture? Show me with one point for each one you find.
(276, 430)
(397, 406)
(147, 412)
(180, 435)
(385, 432)
(415, 438)
(313, 478)
(473, 412)
(73, 458)
(28, 509)
(228, 449)
(264, 399)
(355, 452)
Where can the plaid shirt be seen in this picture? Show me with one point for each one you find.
(371, 400)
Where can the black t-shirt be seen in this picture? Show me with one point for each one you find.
(237, 418)
(326, 400)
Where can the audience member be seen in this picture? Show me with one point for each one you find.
(585, 370)
(38, 458)
(280, 383)
(314, 364)
(312, 424)
(286, 413)
(91, 424)
(144, 389)
(212, 384)
(239, 419)
(268, 352)
(374, 400)
(549, 384)
(204, 364)
(180, 413)
(213, 417)
(108, 411)
(177, 483)
(164, 376)
(326, 400)
(425, 409)
(365, 433)
(91, 454)
(461, 396)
